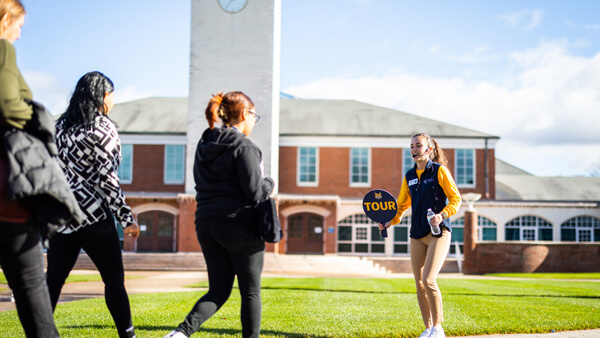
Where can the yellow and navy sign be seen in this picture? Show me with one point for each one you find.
(380, 206)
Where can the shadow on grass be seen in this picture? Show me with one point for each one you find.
(413, 292)
(167, 329)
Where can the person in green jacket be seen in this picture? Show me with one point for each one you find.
(20, 249)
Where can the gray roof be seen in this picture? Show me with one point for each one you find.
(537, 188)
(503, 168)
(302, 117)
(155, 115)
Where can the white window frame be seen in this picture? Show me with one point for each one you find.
(575, 223)
(130, 173)
(174, 182)
(369, 170)
(465, 185)
(298, 164)
(356, 224)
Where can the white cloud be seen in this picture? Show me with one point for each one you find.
(525, 19)
(130, 93)
(48, 90)
(546, 112)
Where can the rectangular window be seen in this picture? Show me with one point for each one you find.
(465, 167)
(307, 166)
(567, 235)
(489, 234)
(407, 160)
(125, 172)
(360, 164)
(174, 164)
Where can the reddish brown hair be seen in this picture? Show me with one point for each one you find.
(227, 107)
(437, 155)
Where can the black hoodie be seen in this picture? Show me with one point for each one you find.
(229, 178)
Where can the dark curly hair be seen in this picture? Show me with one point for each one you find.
(87, 100)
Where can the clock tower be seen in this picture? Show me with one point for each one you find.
(235, 46)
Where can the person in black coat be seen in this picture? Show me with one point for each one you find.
(228, 172)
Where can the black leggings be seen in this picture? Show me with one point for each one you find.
(23, 265)
(101, 242)
(229, 250)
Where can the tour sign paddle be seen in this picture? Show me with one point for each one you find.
(380, 206)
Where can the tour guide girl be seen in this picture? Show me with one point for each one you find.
(428, 185)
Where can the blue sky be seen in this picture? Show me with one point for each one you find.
(528, 72)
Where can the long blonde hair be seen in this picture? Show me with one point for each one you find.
(437, 155)
(13, 7)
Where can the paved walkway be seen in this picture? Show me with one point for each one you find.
(173, 281)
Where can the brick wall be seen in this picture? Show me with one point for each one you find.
(495, 257)
(329, 239)
(187, 241)
(334, 171)
(148, 170)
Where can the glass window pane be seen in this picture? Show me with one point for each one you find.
(400, 234)
(545, 234)
(376, 234)
(174, 164)
(125, 168)
(344, 247)
(401, 248)
(489, 234)
(567, 235)
(307, 168)
(512, 234)
(377, 248)
(362, 248)
(344, 233)
(457, 235)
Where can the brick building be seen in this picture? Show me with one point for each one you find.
(331, 152)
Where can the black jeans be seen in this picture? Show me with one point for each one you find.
(229, 250)
(23, 265)
(101, 242)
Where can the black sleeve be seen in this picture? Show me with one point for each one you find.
(255, 186)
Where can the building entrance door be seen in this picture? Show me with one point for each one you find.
(305, 234)
(156, 232)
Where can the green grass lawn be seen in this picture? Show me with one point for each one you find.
(352, 307)
(71, 279)
(550, 275)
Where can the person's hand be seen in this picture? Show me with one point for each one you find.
(132, 230)
(386, 225)
(437, 219)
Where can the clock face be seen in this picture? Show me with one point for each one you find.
(232, 6)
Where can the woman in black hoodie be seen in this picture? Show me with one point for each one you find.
(228, 172)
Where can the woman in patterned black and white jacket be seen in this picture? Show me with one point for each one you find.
(90, 154)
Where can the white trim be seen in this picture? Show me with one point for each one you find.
(474, 184)
(155, 207)
(307, 184)
(379, 142)
(369, 169)
(297, 209)
(154, 139)
(404, 168)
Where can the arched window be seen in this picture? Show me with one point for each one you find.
(359, 235)
(580, 229)
(487, 229)
(528, 228)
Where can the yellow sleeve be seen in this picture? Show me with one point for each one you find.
(404, 202)
(451, 191)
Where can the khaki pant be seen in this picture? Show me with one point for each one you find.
(427, 255)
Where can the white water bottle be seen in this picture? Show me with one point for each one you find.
(435, 229)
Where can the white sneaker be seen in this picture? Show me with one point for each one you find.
(175, 334)
(425, 333)
(437, 332)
